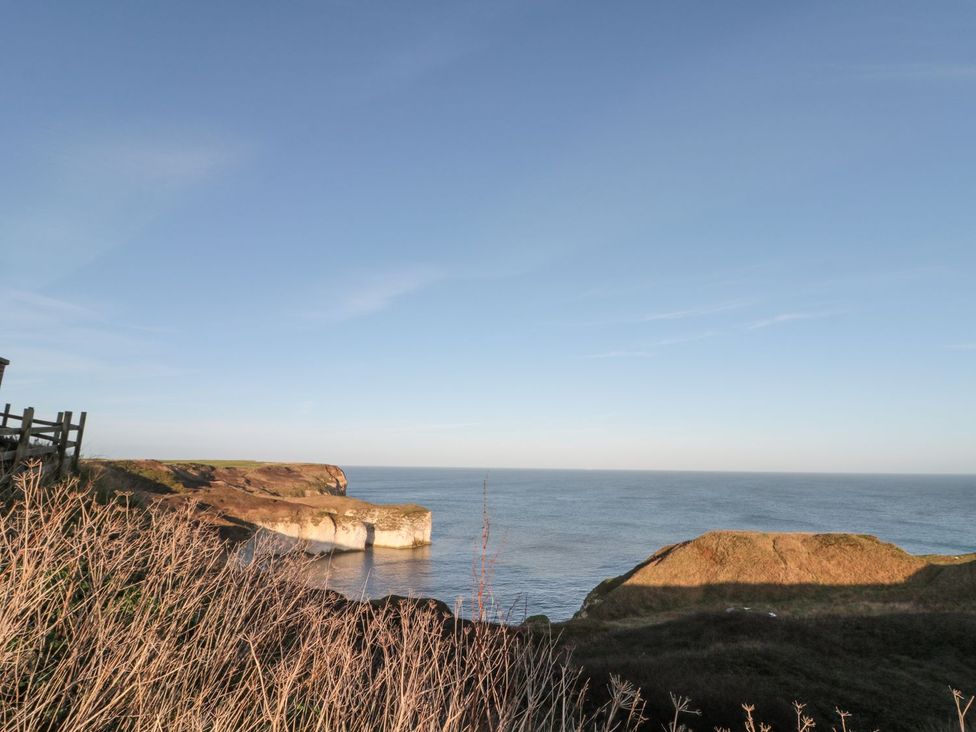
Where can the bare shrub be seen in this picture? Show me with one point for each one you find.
(120, 618)
(804, 723)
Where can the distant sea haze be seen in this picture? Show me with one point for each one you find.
(556, 534)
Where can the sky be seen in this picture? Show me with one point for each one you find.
(640, 235)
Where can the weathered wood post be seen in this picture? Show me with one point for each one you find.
(23, 444)
(64, 418)
(6, 415)
(81, 432)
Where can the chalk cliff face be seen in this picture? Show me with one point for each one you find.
(281, 506)
(783, 569)
(328, 523)
(316, 534)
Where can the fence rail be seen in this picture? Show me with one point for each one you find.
(56, 443)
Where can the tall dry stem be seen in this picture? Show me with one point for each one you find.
(804, 723)
(483, 572)
(962, 707)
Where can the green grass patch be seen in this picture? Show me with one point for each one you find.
(220, 463)
(154, 475)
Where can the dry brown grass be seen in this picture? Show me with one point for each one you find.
(117, 618)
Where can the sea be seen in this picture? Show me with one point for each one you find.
(553, 535)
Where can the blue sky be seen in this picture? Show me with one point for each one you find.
(648, 235)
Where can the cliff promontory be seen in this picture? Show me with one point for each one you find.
(798, 571)
(829, 619)
(281, 505)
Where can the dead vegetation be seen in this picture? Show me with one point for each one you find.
(118, 618)
(804, 722)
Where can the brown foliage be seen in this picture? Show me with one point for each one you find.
(118, 618)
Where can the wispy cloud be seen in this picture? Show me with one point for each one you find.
(619, 354)
(652, 348)
(96, 195)
(789, 318)
(962, 346)
(31, 308)
(54, 362)
(35, 317)
(691, 312)
(433, 427)
(684, 339)
(881, 278)
(47, 337)
(152, 161)
(373, 294)
(443, 43)
(919, 72)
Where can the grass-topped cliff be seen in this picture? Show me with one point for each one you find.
(250, 476)
(832, 619)
(785, 573)
(288, 504)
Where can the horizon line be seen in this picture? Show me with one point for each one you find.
(203, 461)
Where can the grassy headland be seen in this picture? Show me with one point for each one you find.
(832, 619)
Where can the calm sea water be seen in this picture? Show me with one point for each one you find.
(557, 534)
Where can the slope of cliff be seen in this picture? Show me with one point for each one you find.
(796, 571)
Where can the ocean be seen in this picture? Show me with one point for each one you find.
(556, 534)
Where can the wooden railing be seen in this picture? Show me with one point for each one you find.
(57, 443)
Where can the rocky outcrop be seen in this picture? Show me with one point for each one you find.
(281, 506)
(798, 570)
(327, 523)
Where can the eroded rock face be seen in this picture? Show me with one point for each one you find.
(355, 524)
(282, 506)
(321, 534)
(398, 526)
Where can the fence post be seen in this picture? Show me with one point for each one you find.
(81, 431)
(6, 414)
(65, 419)
(23, 444)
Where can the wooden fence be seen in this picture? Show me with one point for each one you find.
(57, 444)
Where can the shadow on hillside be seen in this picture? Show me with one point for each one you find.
(891, 670)
(887, 652)
(948, 584)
